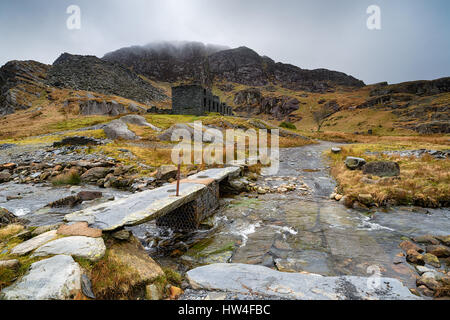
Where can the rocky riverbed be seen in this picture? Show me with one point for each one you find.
(285, 223)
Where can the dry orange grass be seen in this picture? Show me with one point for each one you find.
(423, 181)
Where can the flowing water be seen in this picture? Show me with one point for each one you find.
(299, 231)
(296, 231)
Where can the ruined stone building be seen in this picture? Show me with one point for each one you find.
(197, 100)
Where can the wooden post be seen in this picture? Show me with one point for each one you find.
(178, 176)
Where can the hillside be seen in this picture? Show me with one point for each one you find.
(169, 62)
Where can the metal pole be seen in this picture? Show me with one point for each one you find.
(178, 176)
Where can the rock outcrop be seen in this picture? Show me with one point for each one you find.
(262, 281)
(194, 61)
(56, 278)
(20, 83)
(93, 74)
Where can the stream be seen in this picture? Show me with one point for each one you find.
(298, 231)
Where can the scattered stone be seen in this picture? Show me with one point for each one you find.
(338, 197)
(175, 292)
(414, 257)
(167, 172)
(422, 269)
(79, 229)
(43, 229)
(56, 278)
(92, 249)
(152, 292)
(428, 281)
(86, 287)
(122, 235)
(425, 291)
(336, 150)
(216, 296)
(30, 245)
(5, 176)
(439, 251)
(89, 195)
(432, 260)
(7, 218)
(427, 239)
(408, 245)
(95, 174)
(444, 239)
(70, 201)
(382, 168)
(354, 163)
(9, 264)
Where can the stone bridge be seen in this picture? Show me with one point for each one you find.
(199, 195)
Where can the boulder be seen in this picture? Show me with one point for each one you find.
(354, 163)
(181, 127)
(30, 245)
(7, 218)
(43, 229)
(9, 264)
(336, 150)
(432, 260)
(89, 195)
(408, 245)
(5, 176)
(118, 129)
(56, 278)
(427, 239)
(439, 251)
(414, 257)
(92, 249)
(444, 239)
(139, 121)
(365, 199)
(382, 168)
(263, 281)
(94, 174)
(70, 201)
(79, 229)
(167, 172)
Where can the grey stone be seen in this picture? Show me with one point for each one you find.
(382, 168)
(336, 150)
(122, 235)
(5, 176)
(56, 278)
(258, 280)
(9, 264)
(119, 130)
(92, 249)
(30, 245)
(166, 172)
(354, 163)
(43, 229)
(86, 287)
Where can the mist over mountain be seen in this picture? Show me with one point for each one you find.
(195, 61)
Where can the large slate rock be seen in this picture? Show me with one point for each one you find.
(354, 163)
(118, 129)
(262, 281)
(57, 278)
(30, 245)
(92, 249)
(382, 168)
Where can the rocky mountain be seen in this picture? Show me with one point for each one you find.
(90, 73)
(170, 62)
(21, 82)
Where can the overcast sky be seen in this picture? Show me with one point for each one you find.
(413, 43)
